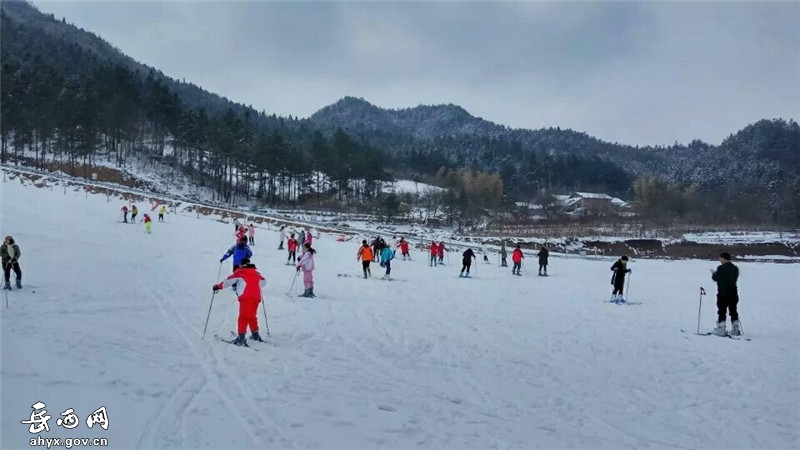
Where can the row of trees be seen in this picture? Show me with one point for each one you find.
(106, 110)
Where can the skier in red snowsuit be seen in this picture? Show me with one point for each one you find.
(434, 253)
(404, 249)
(247, 283)
(442, 249)
(241, 232)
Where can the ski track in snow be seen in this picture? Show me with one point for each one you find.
(435, 362)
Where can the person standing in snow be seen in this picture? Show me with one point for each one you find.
(387, 255)
(404, 249)
(251, 234)
(124, 214)
(376, 248)
(148, 223)
(241, 232)
(543, 255)
(503, 254)
(283, 237)
(302, 240)
(306, 264)
(161, 212)
(9, 255)
(441, 249)
(134, 212)
(620, 269)
(292, 247)
(365, 255)
(482, 250)
(309, 238)
(434, 253)
(516, 258)
(726, 277)
(247, 283)
(466, 262)
(240, 251)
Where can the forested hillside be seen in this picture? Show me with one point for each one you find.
(68, 95)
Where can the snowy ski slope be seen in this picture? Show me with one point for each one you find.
(427, 361)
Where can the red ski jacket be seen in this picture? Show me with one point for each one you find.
(404, 247)
(147, 218)
(247, 283)
(292, 245)
(434, 249)
(516, 256)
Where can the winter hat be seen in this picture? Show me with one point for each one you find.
(624, 258)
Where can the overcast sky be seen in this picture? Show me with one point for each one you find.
(635, 73)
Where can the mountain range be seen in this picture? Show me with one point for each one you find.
(761, 161)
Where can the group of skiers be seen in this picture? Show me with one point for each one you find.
(247, 281)
(146, 219)
(381, 252)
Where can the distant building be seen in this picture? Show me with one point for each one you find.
(592, 203)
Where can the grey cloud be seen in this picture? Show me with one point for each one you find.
(641, 73)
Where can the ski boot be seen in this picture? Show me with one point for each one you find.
(467, 275)
(305, 293)
(19, 283)
(461, 275)
(736, 328)
(240, 340)
(720, 329)
(311, 293)
(7, 286)
(256, 337)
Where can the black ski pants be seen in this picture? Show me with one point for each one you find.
(7, 271)
(365, 267)
(619, 284)
(465, 266)
(727, 303)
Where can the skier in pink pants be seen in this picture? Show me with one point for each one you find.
(306, 264)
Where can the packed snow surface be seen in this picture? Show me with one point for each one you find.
(111, 316)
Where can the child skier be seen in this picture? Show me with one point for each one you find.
(241, 232)
(466, 262)
(309, 238)
(148, 223)
(503, 254)
(306, 264)
(387, 255)
(124, 214)
(251, 234)
(302, 240)
(240, 251)
(441, 249)
(376, 248)
(292, 247)
(543, 255)
(434, 253)
(283, 237)
(726, 276)
(10, 254)
(134, 212)
(247, 283)
(161, 212)
(516, 258)
(620, 268)
(404, 249)
(365, 255)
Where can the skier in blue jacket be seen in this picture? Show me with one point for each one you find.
(387, 255)
(239, 252)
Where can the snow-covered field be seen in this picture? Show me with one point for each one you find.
(426, 361)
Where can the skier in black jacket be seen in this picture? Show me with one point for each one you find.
(726, 276)
(543, 255)
(620, 268)
(466, 262)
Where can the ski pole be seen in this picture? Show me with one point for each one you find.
(264, 308)
(699, 308)
(628, 287)
(211, 304)
(296, 273)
